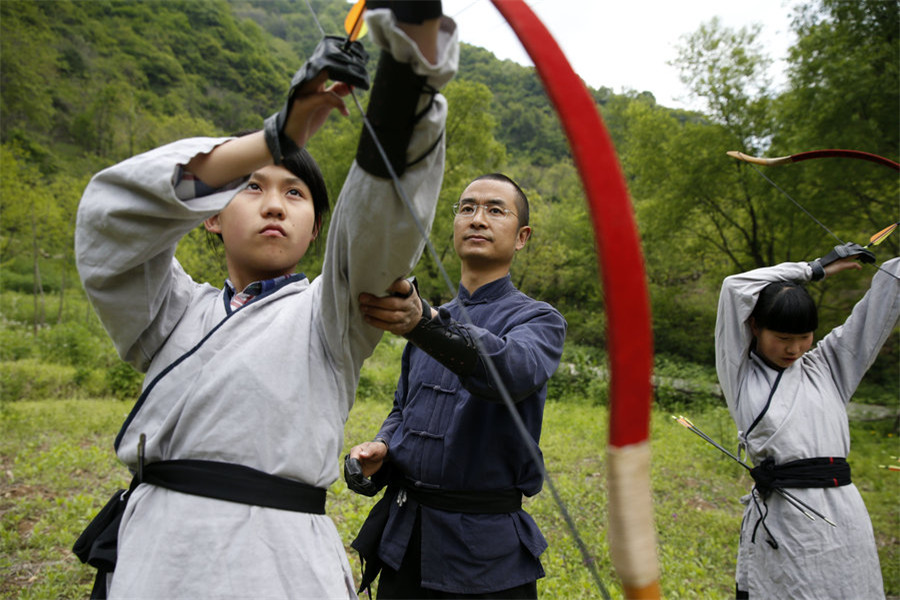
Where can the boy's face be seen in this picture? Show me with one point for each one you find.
(480, 239)
(267, 227)
(781, 349)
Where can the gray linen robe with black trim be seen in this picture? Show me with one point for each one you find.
(807, 418)
(271, 389)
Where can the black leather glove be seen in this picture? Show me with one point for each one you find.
(355, 479)
(343, 62)
(850, 249)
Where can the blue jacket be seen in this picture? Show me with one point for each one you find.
(447, 432)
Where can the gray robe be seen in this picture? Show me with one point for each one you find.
(271, 388)
(807, 418)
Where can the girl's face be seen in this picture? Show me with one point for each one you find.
(267, 227)
(781, 349)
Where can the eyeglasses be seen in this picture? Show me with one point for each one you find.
(467, 210)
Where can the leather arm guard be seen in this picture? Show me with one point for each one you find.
(847, 250)
(392, 114)
(451, 345)
(343, 62)
(409, 12)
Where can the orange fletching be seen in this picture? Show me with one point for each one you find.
(882, 235)
(354, 24)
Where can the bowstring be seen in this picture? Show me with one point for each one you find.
(797, 204)
(810, 215)
(530, 443)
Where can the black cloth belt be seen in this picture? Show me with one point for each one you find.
(820, 472)
(235, 483)
(461, 501)
(98, 544)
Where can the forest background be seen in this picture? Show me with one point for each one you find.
(86, 84)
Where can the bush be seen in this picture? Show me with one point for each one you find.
(379, 374)
(15, 344)
(123, 381)
(31, 379)
(582, 377)
(73, 344)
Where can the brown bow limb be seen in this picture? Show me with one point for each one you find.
(813, 154)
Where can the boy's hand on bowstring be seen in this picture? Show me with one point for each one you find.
(311, 106)
(309, 101)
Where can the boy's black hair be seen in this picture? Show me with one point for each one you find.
(786, 307)
(303, 165)
(521, 199)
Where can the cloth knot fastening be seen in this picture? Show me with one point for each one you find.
(819, 472)
(764, 475)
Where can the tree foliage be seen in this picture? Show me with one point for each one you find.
(86, 84)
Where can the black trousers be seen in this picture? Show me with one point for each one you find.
(407, 582)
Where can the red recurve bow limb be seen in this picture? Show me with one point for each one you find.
(631, 533)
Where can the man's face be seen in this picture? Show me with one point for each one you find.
(491, 236)
(267, 227)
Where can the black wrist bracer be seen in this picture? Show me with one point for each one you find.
(392, 114)
(850, 249)
(409, 12)
(343, 62)
(451, 345)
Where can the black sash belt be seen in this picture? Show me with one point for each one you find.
(235, 483)
(97, 545)
(469, 502)
(822, 472)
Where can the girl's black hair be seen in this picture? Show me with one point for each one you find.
(786, 307)
(304, 166)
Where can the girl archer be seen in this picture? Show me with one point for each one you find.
(789, 402)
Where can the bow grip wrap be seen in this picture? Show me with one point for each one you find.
(342, 61)
(405, 11)
(392, 115)
(850, 249)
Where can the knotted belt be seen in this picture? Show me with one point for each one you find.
(819, 472)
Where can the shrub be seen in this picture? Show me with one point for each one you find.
(31, 379)
(15, 344)
(581, 377)
(123, 381)
(378, 377)
(73, 344)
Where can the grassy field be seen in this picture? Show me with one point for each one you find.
(58, 469)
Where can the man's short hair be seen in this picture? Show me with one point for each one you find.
(521, 198)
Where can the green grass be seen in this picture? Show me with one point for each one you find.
(57, 469)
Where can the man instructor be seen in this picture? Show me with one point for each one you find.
(451, 522)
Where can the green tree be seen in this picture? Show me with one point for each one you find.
(472, 150)
(31, 220)
(845, 65)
